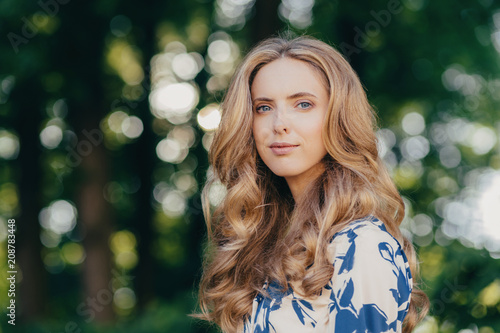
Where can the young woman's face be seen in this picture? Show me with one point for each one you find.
(290, 101)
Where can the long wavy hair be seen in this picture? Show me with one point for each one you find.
(258, 232)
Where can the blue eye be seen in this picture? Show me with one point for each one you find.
(304, 105)
(263, 108)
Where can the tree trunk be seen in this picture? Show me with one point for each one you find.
(143, 160)
(32, 287)
(266, 22)
(143, 154)
(81, 55)
(95, 219)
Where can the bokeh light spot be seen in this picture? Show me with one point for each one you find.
(483, 140)
(122, 241)
(120, 25)
(216, 193)
(53, 262)
(59, 216)
(415, 148)
(51, 136)
(450, 156)
(9, 145)
(219, 50)
(124, 298)
(297, 12)
(49, 238)
(386, 139)
(170, 150)
(209, 117)
(187, 66)
(413, 123)
(73, 253)
(9, 198)
(132, 127)
(174, 204)
(174, 101)
(115, 121)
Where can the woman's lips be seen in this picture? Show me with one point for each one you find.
(283, 149)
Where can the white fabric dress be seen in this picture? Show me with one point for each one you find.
(368, 292)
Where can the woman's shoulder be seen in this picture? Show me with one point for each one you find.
(371, 276)
(367, 237)
(368, 227)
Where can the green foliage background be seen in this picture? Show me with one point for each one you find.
(136, 246)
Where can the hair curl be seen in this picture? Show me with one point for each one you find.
(258, 231)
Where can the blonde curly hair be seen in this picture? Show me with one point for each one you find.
(258, 231)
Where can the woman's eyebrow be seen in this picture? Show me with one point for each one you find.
(293, 96)
(262, 99)
(301, 94)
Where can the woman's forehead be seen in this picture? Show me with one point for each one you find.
(289, 73)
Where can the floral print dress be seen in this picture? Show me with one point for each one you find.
(368, 292)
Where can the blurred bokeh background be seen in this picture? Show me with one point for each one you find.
(107, 109)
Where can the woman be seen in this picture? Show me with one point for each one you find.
(307, 237)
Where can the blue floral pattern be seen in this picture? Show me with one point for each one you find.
(368, 292)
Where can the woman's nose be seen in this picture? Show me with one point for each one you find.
(280, 121)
